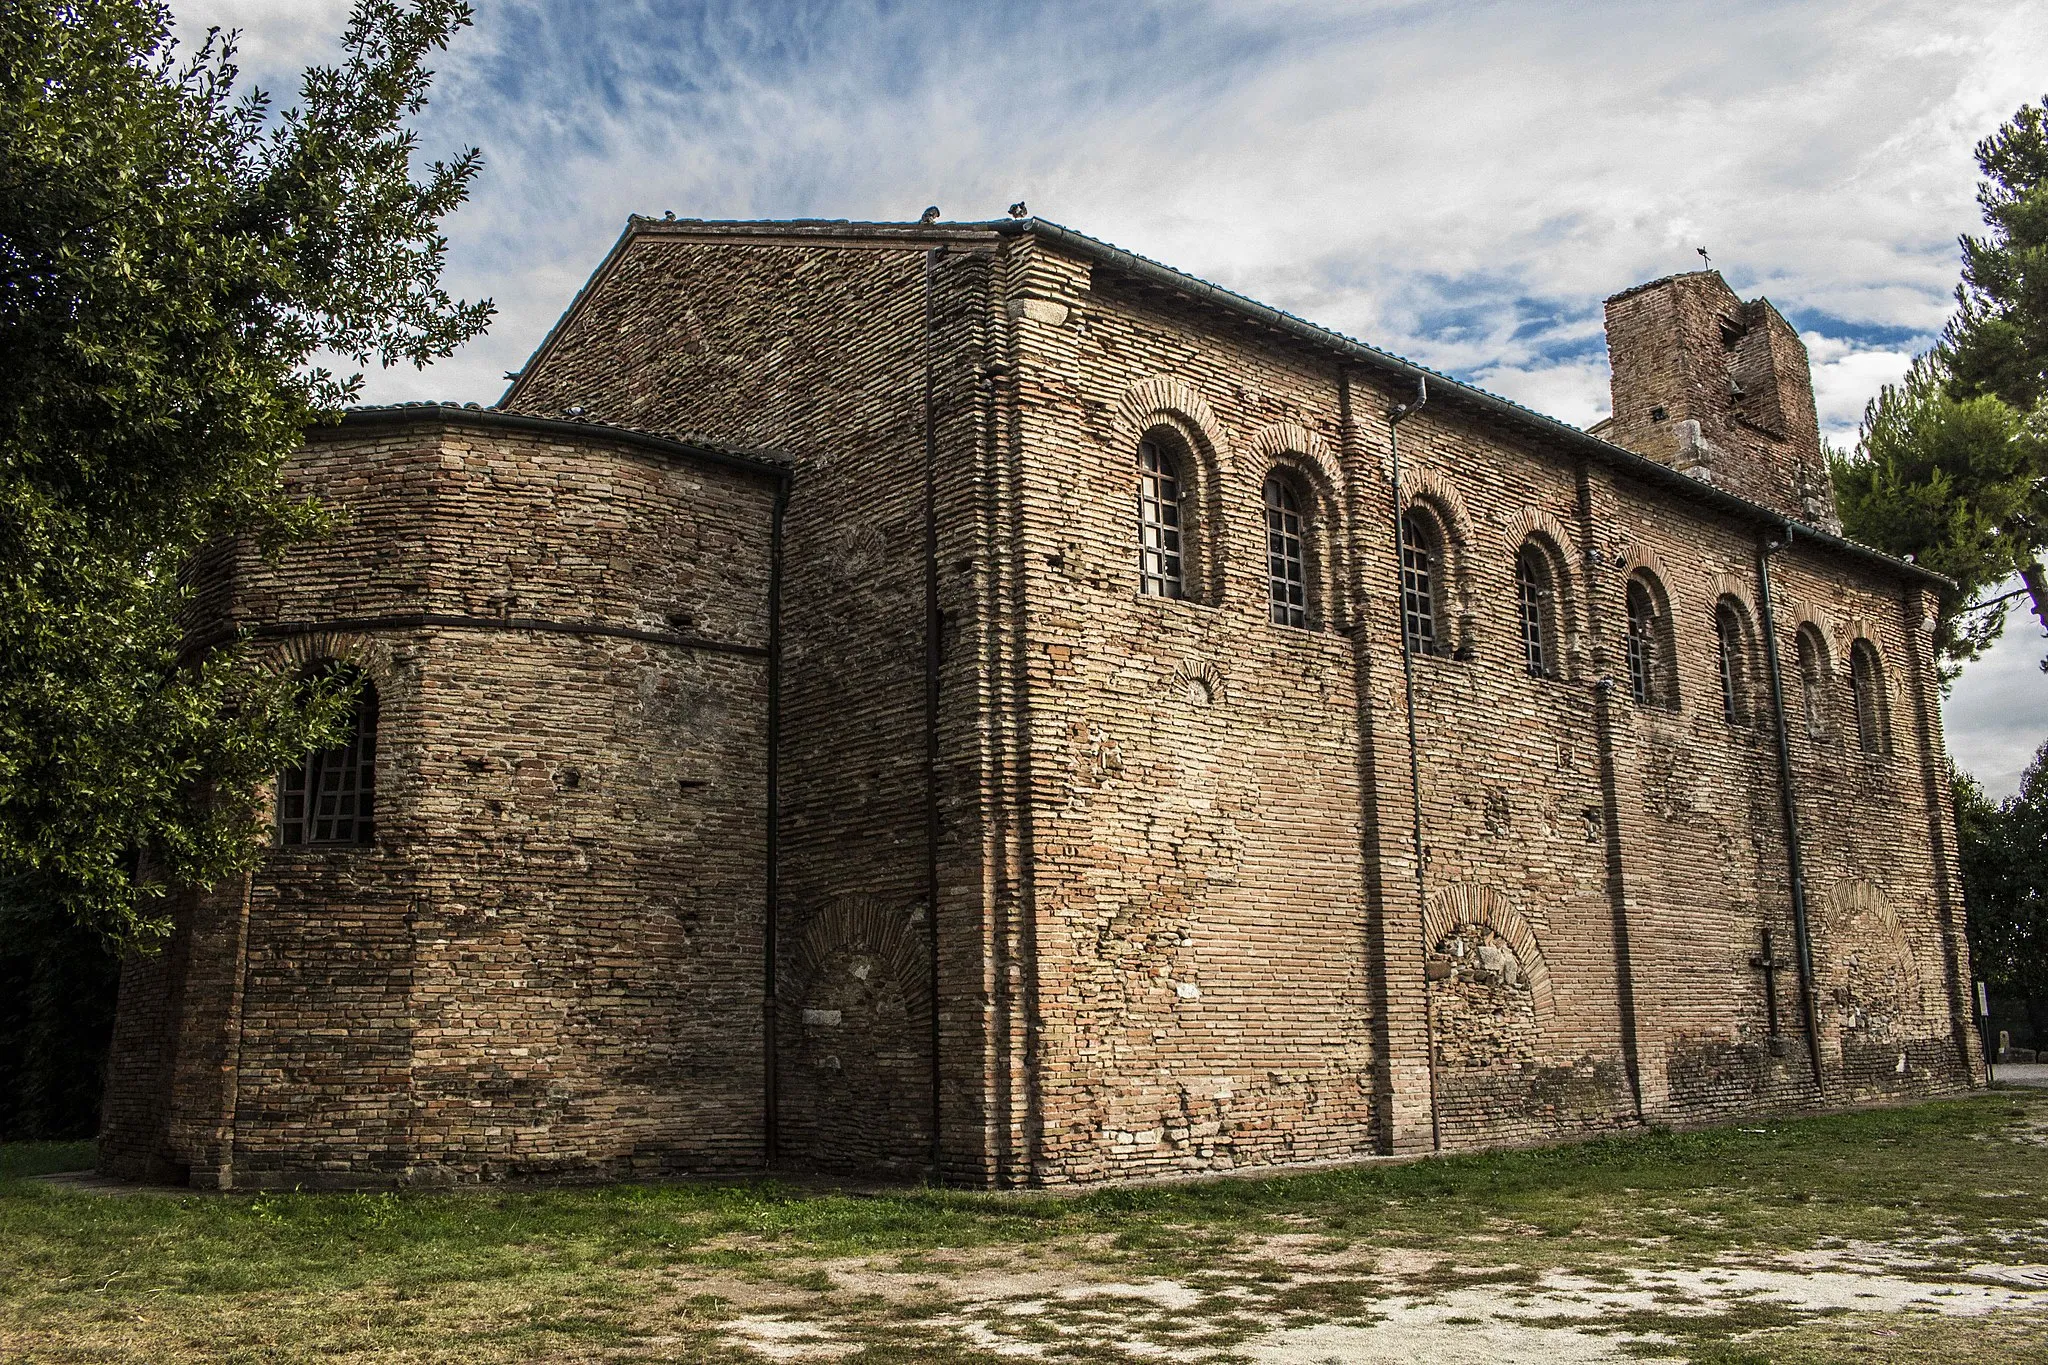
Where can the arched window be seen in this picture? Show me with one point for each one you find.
(1420, 578)
(1286, 557)
(1643, 663)
(330, 798)
(1813, 667)
(1535, 596)
(1159, 550)
(1866, 680)
(1731, 642)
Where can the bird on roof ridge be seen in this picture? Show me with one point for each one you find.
(931, 215)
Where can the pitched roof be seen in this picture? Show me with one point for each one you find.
(1442, 388)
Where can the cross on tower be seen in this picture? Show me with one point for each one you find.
(1767, 963)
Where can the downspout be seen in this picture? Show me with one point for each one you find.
(934, 623)
(771, 1098)
(1795, 863)
(1612, 848)
(1395, 416)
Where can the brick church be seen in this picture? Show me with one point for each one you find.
(966, 701)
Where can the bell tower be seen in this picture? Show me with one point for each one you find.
(1719, 387)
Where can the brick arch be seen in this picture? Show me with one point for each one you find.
(855, 1018)
(1465, 903)
(1162, 401)
(1276, 443)
(1891, 690)
(1305, 457)
(1804, 614)
(1534, 521)
(1641, 558)
(1198, 682)
(1435, 488)
(1438, 498)
(370, 653)
(866, 924)
(1146, 402)
(1867, 947)
(1722, 585)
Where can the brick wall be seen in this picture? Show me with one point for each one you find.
(1189, 910)
(1596, 874)
(821, 348)
(550, 961)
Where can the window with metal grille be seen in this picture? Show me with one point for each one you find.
(1812, 665)
(1159, 558)
(1286, 564)
(1728, 635)
(330, 798)
(1865, 682)
(1642, 643)
(1532, 592)
(1418, 585)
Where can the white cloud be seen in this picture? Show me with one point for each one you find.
(1462, 183)
(279, 38)
(1996, 714)
(1847, 376)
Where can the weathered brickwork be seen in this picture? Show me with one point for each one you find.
(1071, 883)
(549, 962)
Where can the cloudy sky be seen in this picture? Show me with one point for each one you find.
(1459, 182)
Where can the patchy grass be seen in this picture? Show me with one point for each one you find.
(659, 1272)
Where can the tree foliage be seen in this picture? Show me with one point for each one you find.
(2004, 849)
(174, 259)
(1998, 339)
(1954, 482)
(1952, 464)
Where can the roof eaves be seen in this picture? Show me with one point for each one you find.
(1616, 457)
(771, 463)
(547, 343)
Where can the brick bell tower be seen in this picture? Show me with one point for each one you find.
(1719, 387)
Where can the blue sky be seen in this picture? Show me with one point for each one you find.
(1462, 183)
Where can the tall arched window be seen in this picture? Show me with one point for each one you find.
(1643, 663)
(1286, 559)
(1730, 643)
(1535, 594)
(1866, 680)
(1419, 580)
(1812, 686)
(331, 797)
(1159, 553)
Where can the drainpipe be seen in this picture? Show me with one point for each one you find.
(1795, 863)
(934, 623)
(771, 1100)
(1612, 850)
(1395, 416)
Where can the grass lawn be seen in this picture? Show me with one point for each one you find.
(1914, 1234)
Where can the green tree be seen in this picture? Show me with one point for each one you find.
(2004, 850)
(1952, 464)
(1956, 483)
(1998, 339)
(174, 259)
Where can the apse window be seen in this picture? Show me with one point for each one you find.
(330, 798)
